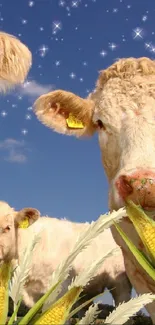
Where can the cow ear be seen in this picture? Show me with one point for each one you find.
(65, 113)
(25, 217)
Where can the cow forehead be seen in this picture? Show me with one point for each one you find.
(6, 213)
(127, 68)
(6, 219)
(121, 98)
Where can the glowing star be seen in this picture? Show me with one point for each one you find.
(43, 50)
(24, 21)
(28, 117)
(3, 113)
(31, 3)
(112, 46)
(25, 84)
(74, 4)
(148, 45)
(144, 18)
(115, 10)
(103, 53)
(57, 63)
(56, 26)
(73, 75)
(153, 49)
(62, 3)
(138, 33)
(24, 131)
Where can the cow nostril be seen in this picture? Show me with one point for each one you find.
(127, 184)
(138, 187)
(124, 186)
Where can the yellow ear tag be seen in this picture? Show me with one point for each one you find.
(74, 123)
(24, 223)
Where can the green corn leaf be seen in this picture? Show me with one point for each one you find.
(138, 255)
(33, 311)
(12, 318)
(77, 309)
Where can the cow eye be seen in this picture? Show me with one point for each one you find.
(7, 229)
(100, 125)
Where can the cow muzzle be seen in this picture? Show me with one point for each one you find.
(138, 187)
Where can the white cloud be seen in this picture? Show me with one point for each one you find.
(12, 150)
(34, 89)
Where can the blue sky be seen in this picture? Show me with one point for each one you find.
(71, 41)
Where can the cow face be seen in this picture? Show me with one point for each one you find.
(122, 111)
(10, 221)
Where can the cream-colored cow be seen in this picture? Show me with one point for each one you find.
(122, 111)
(57, 238)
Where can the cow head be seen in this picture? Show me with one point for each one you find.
(10, 221)
(122, 111)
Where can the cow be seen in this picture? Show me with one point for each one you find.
(56, 240)
(122, 110)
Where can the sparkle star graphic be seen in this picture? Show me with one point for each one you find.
(138, 33)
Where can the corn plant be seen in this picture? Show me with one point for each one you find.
(49, 309)
(145, 228)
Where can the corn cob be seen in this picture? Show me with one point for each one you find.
(59, 311)
(145, 227)
(5, 273)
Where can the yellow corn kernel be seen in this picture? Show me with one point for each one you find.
(24, 223)
(2, 299)
(4, 281)
(148, 233)
(59, 311)
(144, 225)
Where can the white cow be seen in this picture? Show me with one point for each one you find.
(56, 241)
(122, 111)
